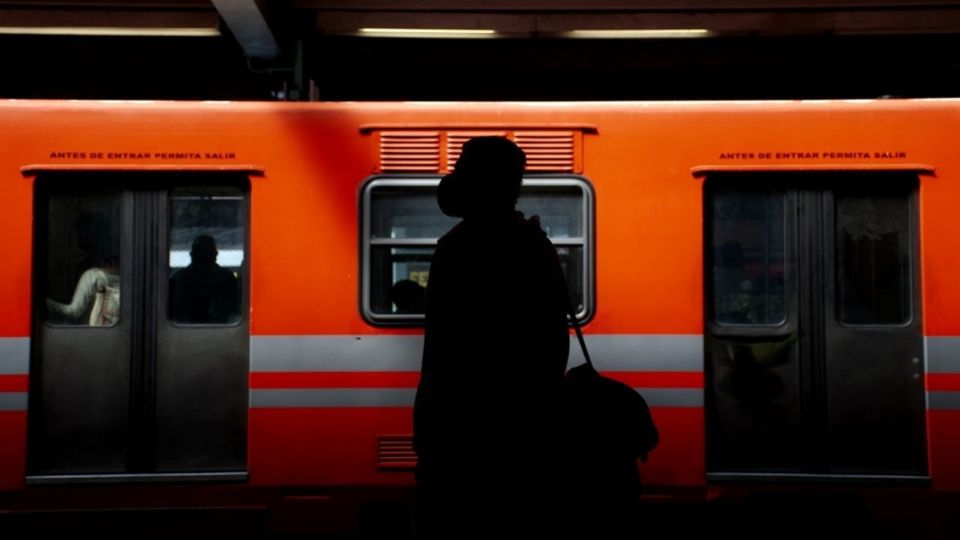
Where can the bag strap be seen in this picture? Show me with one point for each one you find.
(571, 313)
(576, 326)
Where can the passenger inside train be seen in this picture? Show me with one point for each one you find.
(408, 296)
(204, 292)
(96, 296)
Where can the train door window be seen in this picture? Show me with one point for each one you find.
(206, 255)
(83, 280)
(402, 223)
(813, 367)
(133, 378)
(748, 258)
(873, 258)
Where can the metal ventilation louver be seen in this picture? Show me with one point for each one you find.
(455, 140)
(413, 151)
(547, 150)
(437, 151)
(396, 452)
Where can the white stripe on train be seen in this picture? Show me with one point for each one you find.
(610, 352)
(338, 353)
(403, 397)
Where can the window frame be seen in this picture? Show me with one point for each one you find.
(587, 242)
(245, 217)
(912, 251)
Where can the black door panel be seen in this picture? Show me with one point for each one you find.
(813, 335)
(139, 392)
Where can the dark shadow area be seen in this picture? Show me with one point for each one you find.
(72, 67)
(774, 512)
(153, 524)
(351, 68)
(717, 68)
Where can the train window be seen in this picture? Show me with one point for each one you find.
(82, 259)
(206, 255)
(562, 212)
(407, 212)
(748, 258)
(873, 259)
(402, 224)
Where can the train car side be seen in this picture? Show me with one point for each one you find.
(330, 391)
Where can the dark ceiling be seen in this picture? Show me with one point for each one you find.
(758, 49)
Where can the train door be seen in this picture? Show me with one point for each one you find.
(813, 326)
(140, 346)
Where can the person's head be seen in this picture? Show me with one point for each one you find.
(409, 296)
(486, 178)
(95, 237)
(203, 250)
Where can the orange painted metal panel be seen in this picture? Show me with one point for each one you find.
(13, 449)
(322, 446)
(679, 460)
(337, 446)
(944, 439)
(14, 383)
(648, 226)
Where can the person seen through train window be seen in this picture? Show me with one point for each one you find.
(495, 350)
(734, 289)
(409, 296)
(92, 234)
(96, 298)
(204, 292)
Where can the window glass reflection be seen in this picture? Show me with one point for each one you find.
(748, 258)
(560, 210)
(407, 212)
(873, 259)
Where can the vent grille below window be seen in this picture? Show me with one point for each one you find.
(396, 452)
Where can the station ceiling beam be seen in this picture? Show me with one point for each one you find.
(249, 22)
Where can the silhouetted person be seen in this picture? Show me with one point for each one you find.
(495, 350)
(204, 292)
(409, 296)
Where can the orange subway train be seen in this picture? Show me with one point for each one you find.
(778, 279)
